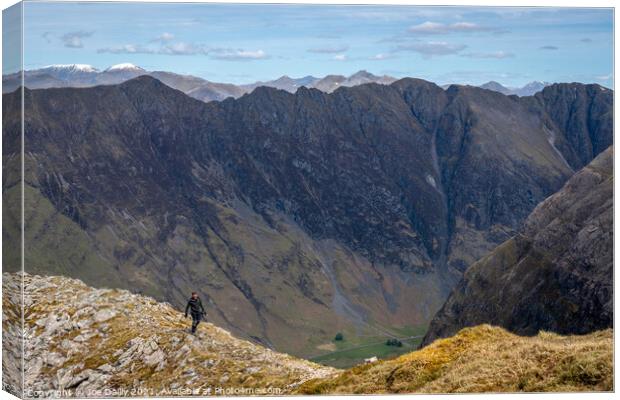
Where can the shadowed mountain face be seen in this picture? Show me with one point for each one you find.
(584, 113)
(555, 275)
(296, 215)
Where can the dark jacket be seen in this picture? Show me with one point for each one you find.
(195, 307)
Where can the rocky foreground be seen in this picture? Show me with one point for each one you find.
(85, 342)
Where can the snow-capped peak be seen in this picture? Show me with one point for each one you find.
(72, 67)
(125, 67)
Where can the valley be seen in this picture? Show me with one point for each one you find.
(296, 216)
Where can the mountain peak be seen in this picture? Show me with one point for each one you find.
(125, 67)
(496, 86)
(528, 89)
(362, 74)
(492, 83)
(72, 67)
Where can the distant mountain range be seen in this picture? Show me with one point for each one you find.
(83, 75)
(527, 90)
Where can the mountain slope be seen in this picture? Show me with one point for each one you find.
(556, 274)
(84, 341)
(485, 359)
(298, 215)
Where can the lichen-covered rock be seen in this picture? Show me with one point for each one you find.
(83, 342)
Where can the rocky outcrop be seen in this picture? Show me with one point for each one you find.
(85, 342)
(555, 275)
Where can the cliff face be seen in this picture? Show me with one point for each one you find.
(85, 342)
(556, 274)
(296, 215)
(585, 115)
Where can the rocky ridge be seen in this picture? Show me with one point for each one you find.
(84, 342)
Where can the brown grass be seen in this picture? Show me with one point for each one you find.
(486, 359)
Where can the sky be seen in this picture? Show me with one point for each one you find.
(247, 43)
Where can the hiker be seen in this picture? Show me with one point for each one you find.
(194, 305)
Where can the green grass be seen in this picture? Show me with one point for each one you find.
(354, 349)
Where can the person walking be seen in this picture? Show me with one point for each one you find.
(197, 311)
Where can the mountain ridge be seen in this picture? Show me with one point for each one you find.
(83, 75)
(327, 200)
(60, 75)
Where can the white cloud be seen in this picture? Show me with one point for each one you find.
(183, 49)
(238, 54)
(436, 28)
(380, 57)
(497, 55)
(430, 49)
(127, 49)
(187, 49)
(340, 57)
(329, 49)
(74, 39)
(604, 77)
(164, 37)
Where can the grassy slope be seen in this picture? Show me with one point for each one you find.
(486, 359)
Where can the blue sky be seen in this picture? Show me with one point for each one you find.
(246, 43)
